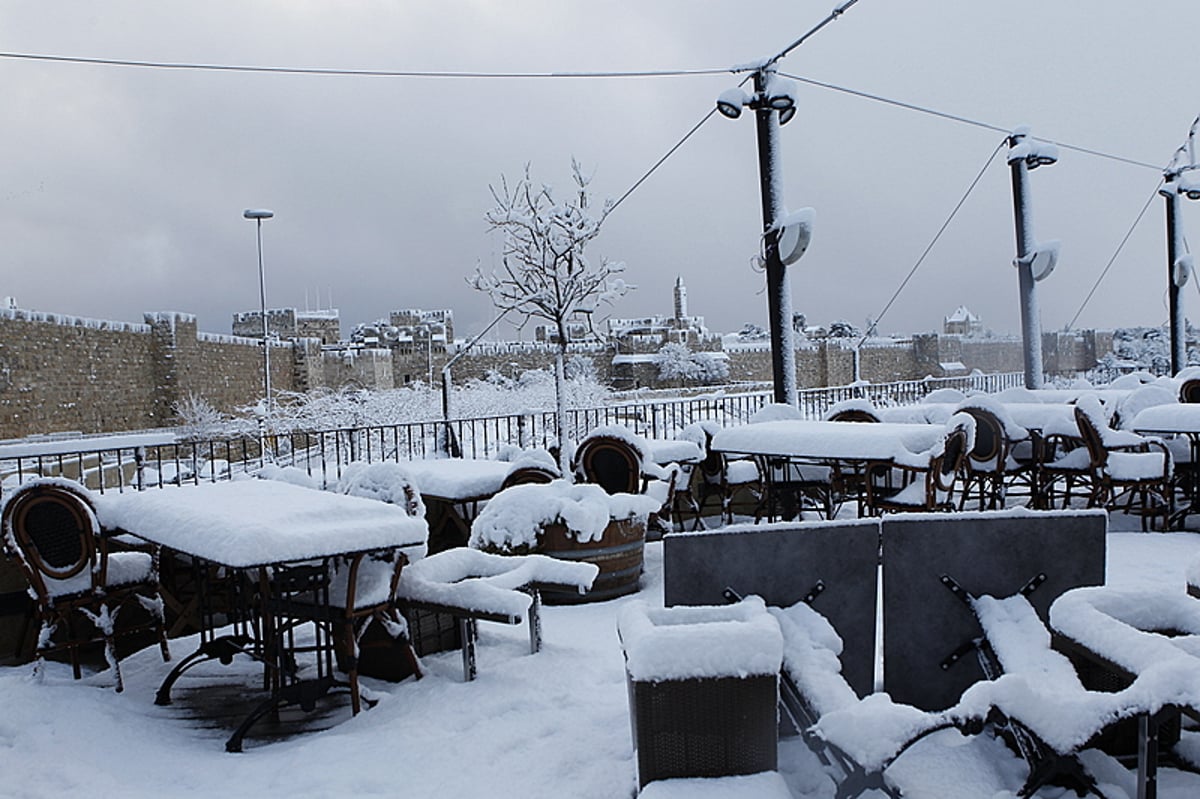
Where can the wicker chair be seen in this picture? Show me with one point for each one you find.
(80, 588)
(1189, 391)
(610, 462)
(990, 467)
(853, 415)
(894, 487)
(363, 590)
(1125, 466)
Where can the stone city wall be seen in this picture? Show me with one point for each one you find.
(64, 374)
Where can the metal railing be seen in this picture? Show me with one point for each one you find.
(324, 454)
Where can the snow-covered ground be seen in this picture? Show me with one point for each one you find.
(552, 724)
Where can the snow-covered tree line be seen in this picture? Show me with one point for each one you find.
(494, 395)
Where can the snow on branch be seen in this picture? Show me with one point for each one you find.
(545, 272)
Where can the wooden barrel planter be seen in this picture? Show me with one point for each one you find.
(618, 553)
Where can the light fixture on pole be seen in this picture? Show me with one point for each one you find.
(258, 215)
(773, 95)
(1179, 180)
(1033, 262)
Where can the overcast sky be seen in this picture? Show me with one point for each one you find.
(122, 188)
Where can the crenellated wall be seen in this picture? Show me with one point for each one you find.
(66, 374)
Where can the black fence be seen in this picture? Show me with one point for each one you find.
(160, 459)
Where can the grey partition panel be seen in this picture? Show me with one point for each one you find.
(783, 563)
(925, 624)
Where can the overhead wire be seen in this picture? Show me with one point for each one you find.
(360, 73)
(964, 120)
(1115, 255)
(962, 200)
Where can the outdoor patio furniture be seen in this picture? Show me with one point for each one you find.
(81, 588)
(529, 474)
(1178, 426)
(925, 482)
(991, 465)
(702, 685)
(1189, 390)
(788, 488)
(1048, 715)
(473, 586)
(842, 447)
(831, 717)
(287, 541)
(453, 491)
(611, 461)
(1125, 466)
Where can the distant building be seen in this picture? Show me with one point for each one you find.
(962, 323)
(650, 333)
(289, 323)
(408, 331)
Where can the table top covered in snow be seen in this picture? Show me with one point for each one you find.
(829, 440)
(458, 479)
(1181, 417)
(247, 523)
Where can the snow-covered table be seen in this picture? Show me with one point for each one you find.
(452, 489)
(785, 452)
(1180, 420)
(828, 441)
(277, 542)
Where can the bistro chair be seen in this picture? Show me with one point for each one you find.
(611, 462)
(363, 588)
(721, 476)
(991, 465)
(80, 588)
(1125, 466)
(928, 481)
(852, 410)
(1189, 390)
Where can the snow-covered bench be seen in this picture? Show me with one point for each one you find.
(1039, 696)
(476, 586)
(860, 737)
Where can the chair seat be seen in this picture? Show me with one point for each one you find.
(1078, 460)
(1137, 466)
(738, 472)
(124, 568)
(912, 495)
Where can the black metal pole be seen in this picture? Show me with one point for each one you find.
(1031, 325)
(1177, 319)
(779, 299)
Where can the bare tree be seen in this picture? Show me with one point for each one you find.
(545, 273)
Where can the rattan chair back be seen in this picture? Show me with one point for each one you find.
(611, 463)
(51, 529)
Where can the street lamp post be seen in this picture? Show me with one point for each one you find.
(771, 95)
(258, 215)
(1179, 181)
(1033, 262)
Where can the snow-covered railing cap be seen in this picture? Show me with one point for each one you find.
(687, 642)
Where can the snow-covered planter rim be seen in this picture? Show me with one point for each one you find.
(686, 642)
(513, 520)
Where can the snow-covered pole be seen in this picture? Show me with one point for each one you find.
(779, 295)
(1176, 275)
(1031, 325)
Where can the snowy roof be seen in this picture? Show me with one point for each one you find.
(962, 314)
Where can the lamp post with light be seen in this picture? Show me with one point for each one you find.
(1179, 180)
(772, 95)
(1034, 262)
(258, 215)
